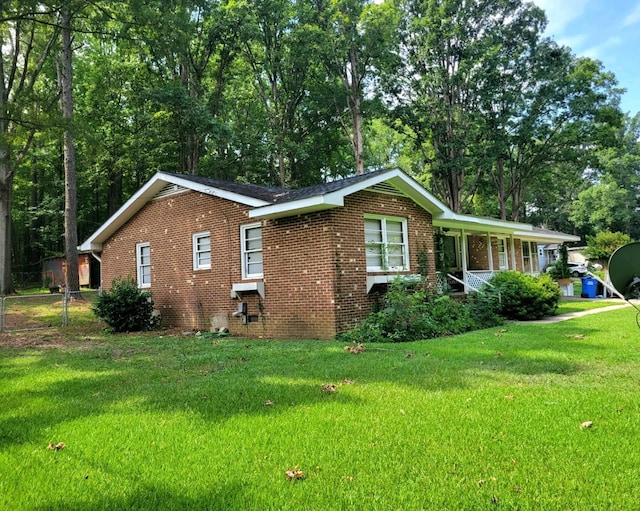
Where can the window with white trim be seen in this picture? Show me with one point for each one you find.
(526, 257)
(143, 263)
(503, 255)
(202, 251)
(251, 239)
(386, 243)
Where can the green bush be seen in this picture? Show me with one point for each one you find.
(125, 308)
(484, 309)
(524, 297)
(409, 315)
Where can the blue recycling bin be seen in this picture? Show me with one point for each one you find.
(589, 287)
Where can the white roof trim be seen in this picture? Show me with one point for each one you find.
(328, 200)
(148, 191)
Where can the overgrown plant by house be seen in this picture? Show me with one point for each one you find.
(410, 313)
(126, 308)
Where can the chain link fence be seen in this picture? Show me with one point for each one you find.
(36, 312)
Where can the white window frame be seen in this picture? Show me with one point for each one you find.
(141, 264)
(527, 259)
(503, 255)
(245, 254)
(384, 256)
(197, 251)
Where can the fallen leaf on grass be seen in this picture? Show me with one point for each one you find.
(56, 447)
(268, 402)
(586, 424)
(575, 336)
(410, 355)
(356, 349)
(346, 381)
(329, 388)
(294, 473)
(509, 397)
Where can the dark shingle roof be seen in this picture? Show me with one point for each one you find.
(274, 194)
(265, 193)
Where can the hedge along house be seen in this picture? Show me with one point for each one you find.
(306, 263)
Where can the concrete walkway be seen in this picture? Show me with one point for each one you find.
(571, 315)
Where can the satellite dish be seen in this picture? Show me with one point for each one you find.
(624, 270)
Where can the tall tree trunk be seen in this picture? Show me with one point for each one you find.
(6, 191)
(65, 77)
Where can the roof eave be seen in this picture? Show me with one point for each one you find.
(299, 207)
(147, 193)
(397, 178)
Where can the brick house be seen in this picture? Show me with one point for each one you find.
(305, 263)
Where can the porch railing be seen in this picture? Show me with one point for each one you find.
(472, 280)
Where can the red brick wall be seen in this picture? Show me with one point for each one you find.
(353, 302)
(185, 297)
(314, 265)
(478, 253)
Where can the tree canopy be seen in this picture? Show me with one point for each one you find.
(466, 95)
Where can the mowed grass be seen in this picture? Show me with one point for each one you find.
(487, 420)
(570, 305)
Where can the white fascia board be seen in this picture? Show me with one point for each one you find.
(544, 237)
(414, 190)
(209, 190)
(147, 193)
(480, 224)
(397, 178)
(298, 207)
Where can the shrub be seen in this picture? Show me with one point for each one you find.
(409, 315)
(484, 309)
(125, 308)
(524, 297)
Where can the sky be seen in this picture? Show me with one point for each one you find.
(605, 30)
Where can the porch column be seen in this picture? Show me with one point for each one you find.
(490, 252)
(463, 241)
(513, 253)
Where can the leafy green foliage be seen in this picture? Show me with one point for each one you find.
(560, 270)
(603, 244)
(125, 308)
(409, 315)
(524, 297)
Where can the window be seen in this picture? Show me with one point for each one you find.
(452, 251)
(143, 262)
(251, 238)
(526, 257)
(202, 251)
(503, 256)
(386, 243)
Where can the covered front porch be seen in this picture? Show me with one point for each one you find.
(470, 254)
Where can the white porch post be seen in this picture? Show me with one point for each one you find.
(463, 240)
(490, 252)
(513, 253)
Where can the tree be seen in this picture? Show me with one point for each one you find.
(358, 41)
(65, 78)
(27, 35)
(448, 47)
(567, 109)
(604, 244)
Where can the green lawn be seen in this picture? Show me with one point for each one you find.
(487, 420)
(568, 305)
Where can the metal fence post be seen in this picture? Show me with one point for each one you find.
(65, 308)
